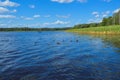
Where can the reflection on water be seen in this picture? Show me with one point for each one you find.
(58, 56)
(108, 40)
(113, 40)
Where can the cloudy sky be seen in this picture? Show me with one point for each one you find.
(54, 13)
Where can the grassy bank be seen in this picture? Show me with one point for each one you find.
(98, 30)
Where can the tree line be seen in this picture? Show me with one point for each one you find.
(32, 29)
(112, 20)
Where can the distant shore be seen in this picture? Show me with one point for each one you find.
(31, 29)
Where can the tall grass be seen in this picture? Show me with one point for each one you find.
(98, 30)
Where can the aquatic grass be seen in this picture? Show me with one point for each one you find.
(98, 30)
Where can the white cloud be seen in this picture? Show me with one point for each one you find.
(57, 22)
(116, 11)
(100, 14)
(97, 16)
(68, 1)
(32, 6)
(8, 3)
(3, 10)
(63, 16)
(28, 18)
(60, 22)
(95, 13)
(7, 16)
(81, 1)
(36, 16)
(63, 1)
(105, 14)
(14, 11)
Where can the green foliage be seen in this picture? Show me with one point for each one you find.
(116, 18)
(112, 20)
(114, 29)
(86, 25)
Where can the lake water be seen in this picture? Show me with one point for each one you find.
(58, 56)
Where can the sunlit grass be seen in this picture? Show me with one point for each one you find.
(98, 30)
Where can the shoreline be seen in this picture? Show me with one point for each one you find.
(112, 30)
(97, 33)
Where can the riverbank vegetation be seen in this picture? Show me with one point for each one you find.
(114, 29)
(109, 25)
(107, 21)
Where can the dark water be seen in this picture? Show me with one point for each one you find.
(58, 56)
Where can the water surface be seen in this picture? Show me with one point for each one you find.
(58, 56)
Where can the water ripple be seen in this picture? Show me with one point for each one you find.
(57, 56)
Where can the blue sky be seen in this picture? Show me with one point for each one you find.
(54, 13)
